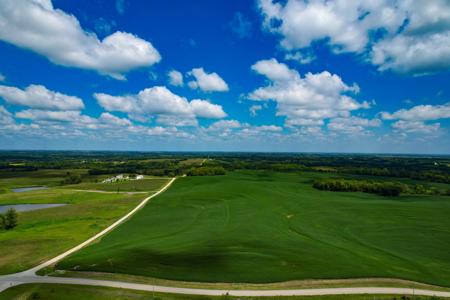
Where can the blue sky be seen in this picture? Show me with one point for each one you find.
(293, 75)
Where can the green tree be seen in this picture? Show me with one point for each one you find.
(72, 179)
(11, 219)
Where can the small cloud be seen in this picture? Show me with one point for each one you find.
(120, 6)
(416, 127)
(207, 82)
(175, 78)
(241, 25)
(2, 77)
(254, 110)
(301, 58)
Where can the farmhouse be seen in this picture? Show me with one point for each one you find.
(122, 177)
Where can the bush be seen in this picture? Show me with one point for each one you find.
(72, 179)
(9, 220)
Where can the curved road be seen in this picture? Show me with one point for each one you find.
(29, 276)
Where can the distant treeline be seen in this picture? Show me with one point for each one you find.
(206, 171)
(18, 168)
(153, 168)
(429, 168)
(407, 168)
(392, 189)
(384, 188)
(431, 175)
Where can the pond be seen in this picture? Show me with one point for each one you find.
(29, 188)
(27, 207)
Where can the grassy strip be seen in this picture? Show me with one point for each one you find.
(75, 292)
(294, 284)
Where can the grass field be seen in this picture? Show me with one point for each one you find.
(47, 177)
(9, 180)
(42, 234)
(68, 292)
(123, 186)
(266, 227)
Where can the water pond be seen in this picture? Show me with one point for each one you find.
(27, 207)
(29, 188)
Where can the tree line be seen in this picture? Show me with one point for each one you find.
(392, 189)
(206, 171)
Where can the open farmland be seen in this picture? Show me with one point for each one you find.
(262, 226)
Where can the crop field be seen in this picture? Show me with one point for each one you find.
(123, 186)
(261, 226)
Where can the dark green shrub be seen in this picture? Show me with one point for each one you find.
(10, 219)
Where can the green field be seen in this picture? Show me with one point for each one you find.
(9, 180)
(123, 186)
(44, 233)
(269, 227)
(76, 292)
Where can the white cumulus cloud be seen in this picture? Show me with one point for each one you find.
(36, 25)
(416, 54)
(71, 116)
(111, 119)
(420, 113)
(159, 101)
(38, 96)
(413, 120)
(205, 109)
(308, 99)
(207, 82)
(415, 127)
(352, 124)
(406, 36)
